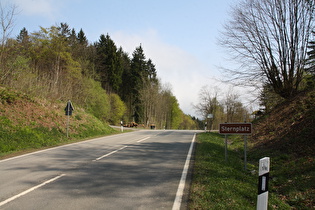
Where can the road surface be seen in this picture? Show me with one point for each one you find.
(136, 170)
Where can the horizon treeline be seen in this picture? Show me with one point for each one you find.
(59, 63)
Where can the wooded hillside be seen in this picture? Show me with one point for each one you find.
(59, 64)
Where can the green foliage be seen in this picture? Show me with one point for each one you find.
(57, 63)
(28, 124)
(188, 123)
(269, 99)
(6, 96)
(176, 114)
(108, 65)
(118, 109)
(96, 100)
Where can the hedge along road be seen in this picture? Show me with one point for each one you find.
(138, 170)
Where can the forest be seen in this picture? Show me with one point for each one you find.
(60, 64)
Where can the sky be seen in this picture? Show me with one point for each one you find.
(179, 36)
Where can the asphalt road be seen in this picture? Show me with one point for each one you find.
(136, 170)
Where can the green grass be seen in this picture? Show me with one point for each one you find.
(220, 184)
(28, 124)
(293, 176)
(15, 139)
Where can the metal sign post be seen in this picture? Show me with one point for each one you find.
(245, 147)
(236, 128)
(226, 143)
(245, 152)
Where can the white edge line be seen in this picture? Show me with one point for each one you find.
(61, 146)
(181, 186)
(30, 190)
(108, 154)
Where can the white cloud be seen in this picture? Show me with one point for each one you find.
(43, 8)
(182, 70)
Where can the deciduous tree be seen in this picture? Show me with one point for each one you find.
(269, 38)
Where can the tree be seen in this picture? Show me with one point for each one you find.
(311, 54)
(137, 71)
(6, 22)
(231, 105)
(234, 108)
(310, 71)
(177, 115)
(6, 26)
(118, 109)
(109, 65)
(53, 63)
(23, 37)
(269, 38)
(209, 104)
(82, 38)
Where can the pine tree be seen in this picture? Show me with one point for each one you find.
(109, 66)
(151, 70)
(23, 37)
(82, 38)
(138, 77)
(24, 42)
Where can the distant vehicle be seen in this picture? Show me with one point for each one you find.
(152, 126)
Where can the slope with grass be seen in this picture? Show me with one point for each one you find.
(28, 123)
(286, 135)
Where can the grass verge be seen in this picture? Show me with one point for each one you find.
(220, 184)
(15, 140)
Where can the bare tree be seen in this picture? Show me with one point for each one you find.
(6, 26)
(208, 104)
(269, 38)
(231, 105)
(6, 21)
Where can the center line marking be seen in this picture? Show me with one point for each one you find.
(108, 154)
(30, 190)
(143, 139)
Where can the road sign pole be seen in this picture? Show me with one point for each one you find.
(245, 148)
(68, 122)
(245, 152)
(226, 153)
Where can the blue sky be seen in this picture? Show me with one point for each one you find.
(180, 36)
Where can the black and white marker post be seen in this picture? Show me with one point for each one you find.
(262, 199)
(121, 126)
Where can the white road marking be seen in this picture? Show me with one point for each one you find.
(181, 186)
(143, 139)
(30, 190)
(108, 154)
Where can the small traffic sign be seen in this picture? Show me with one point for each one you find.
(69, 108)
(235, 128)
